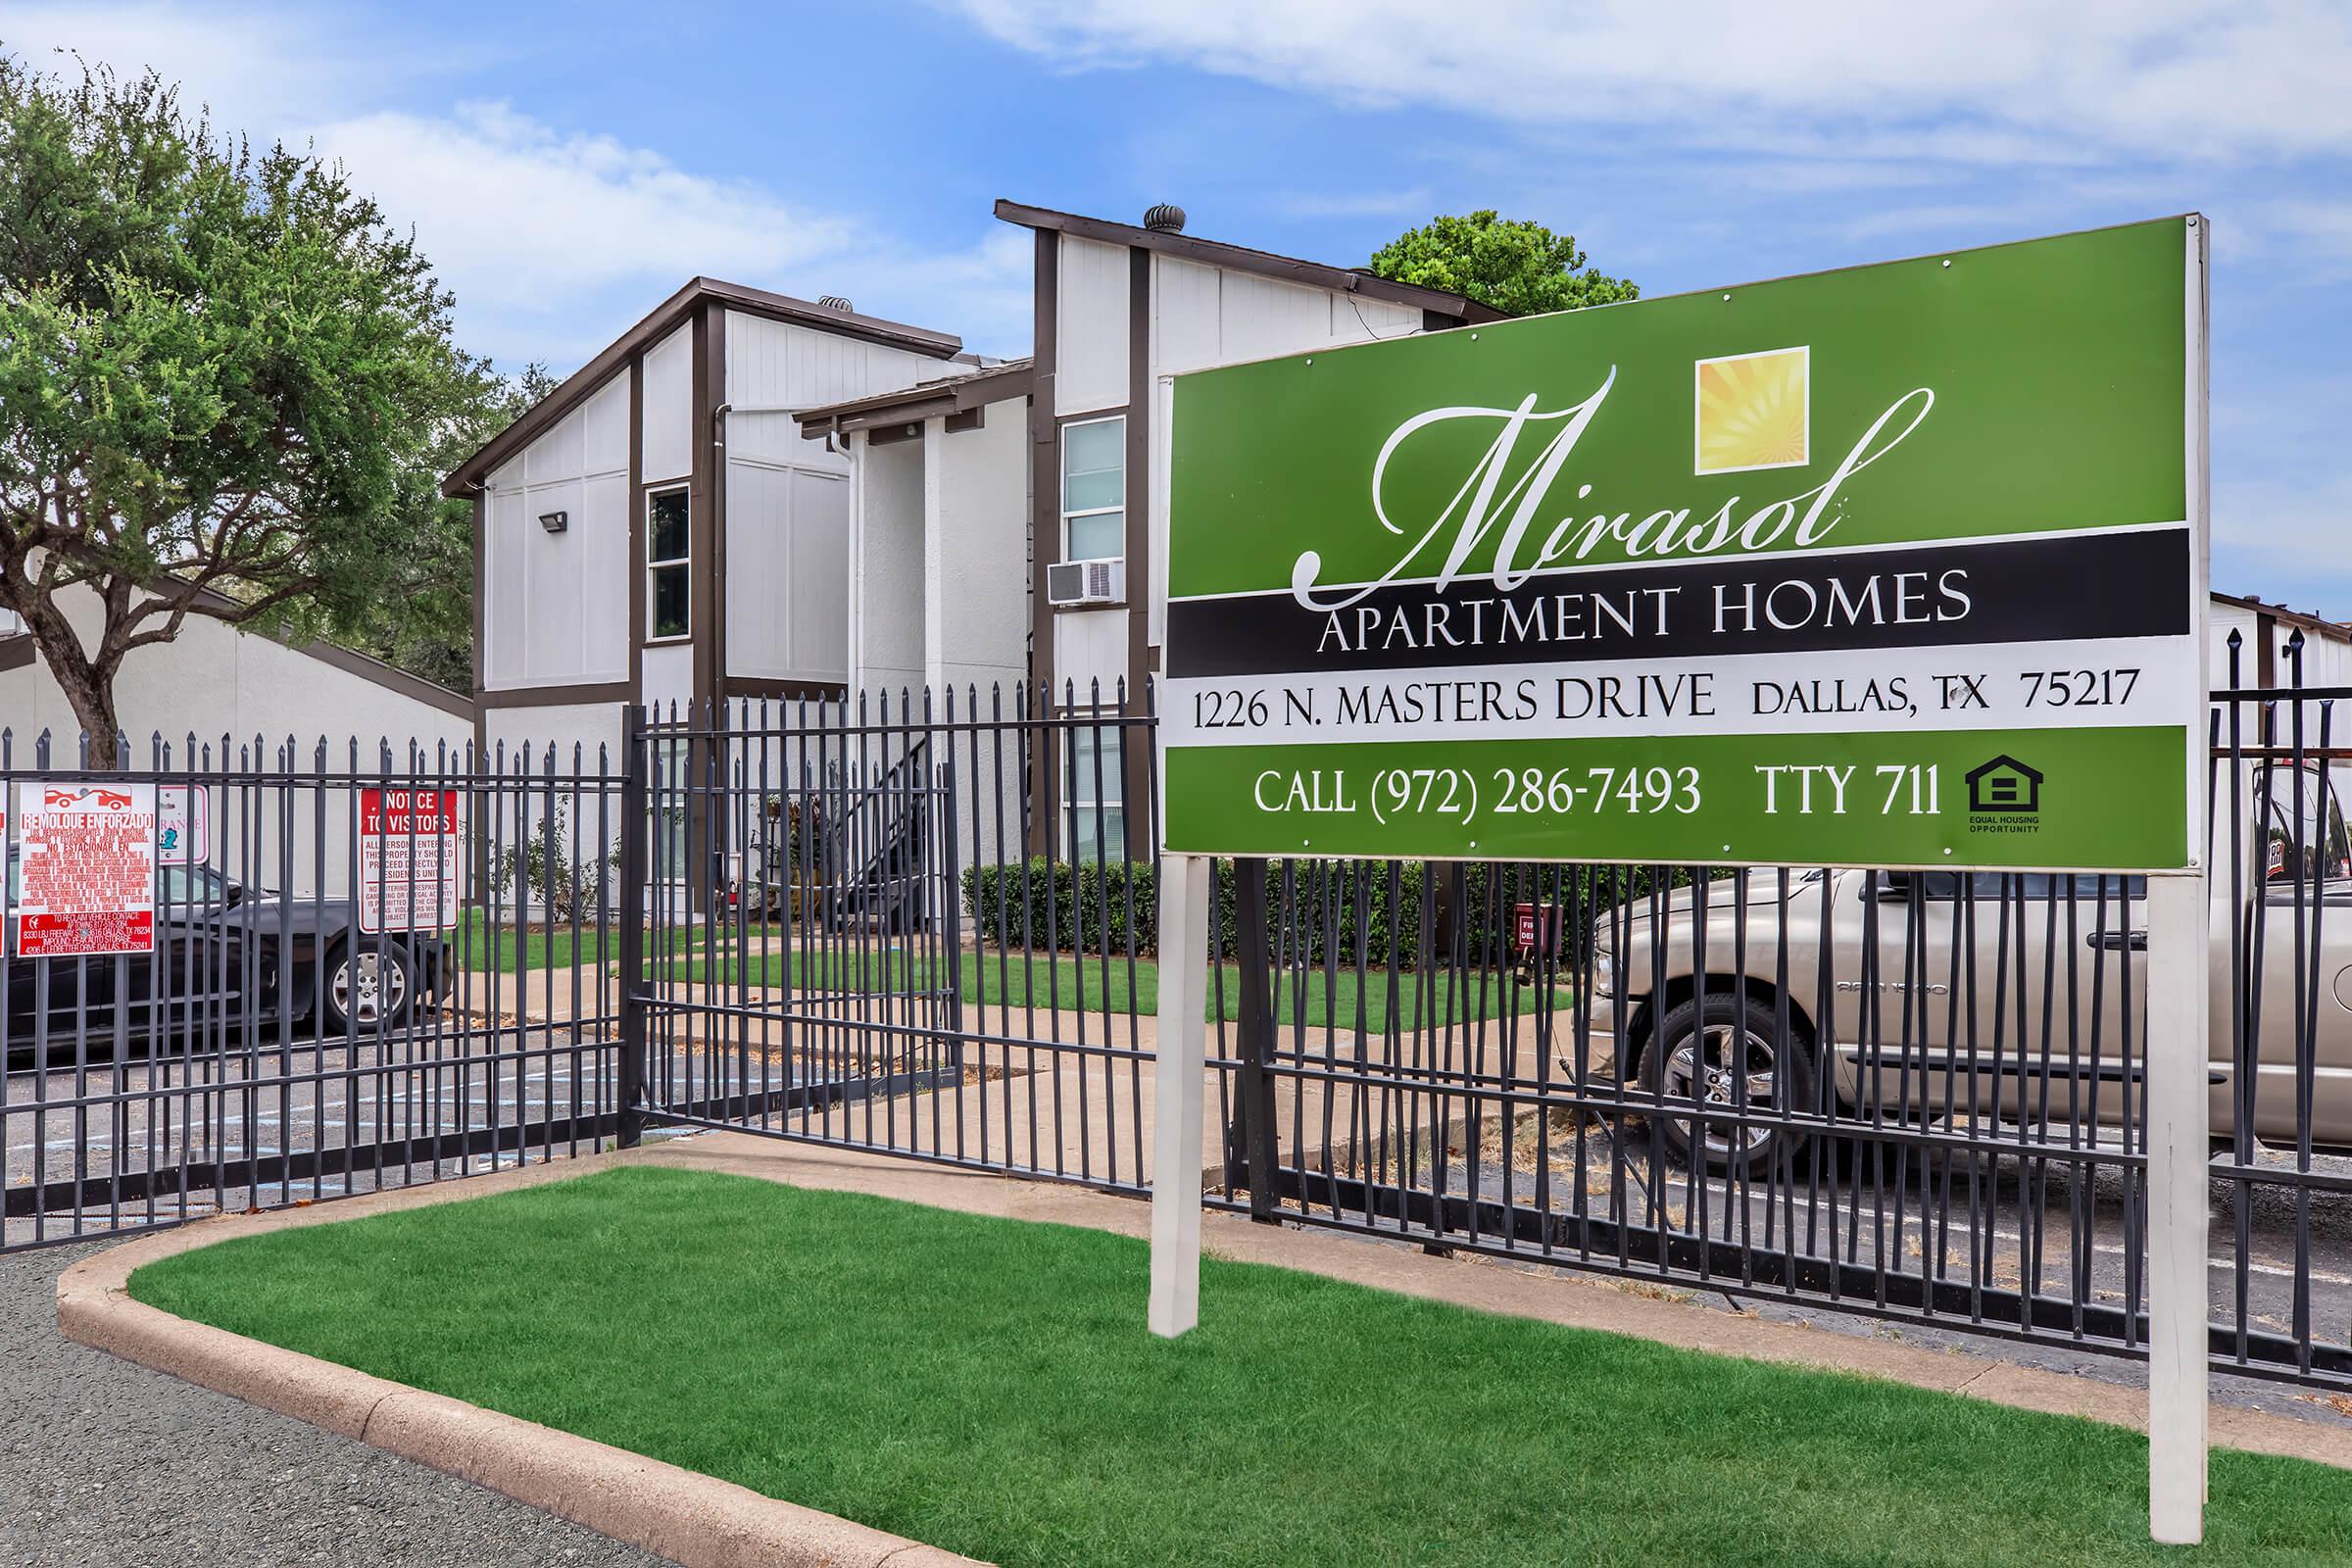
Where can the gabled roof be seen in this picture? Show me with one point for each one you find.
(1217, 253)
(907, 404)
(470, 475)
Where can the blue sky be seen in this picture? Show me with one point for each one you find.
(567, 166)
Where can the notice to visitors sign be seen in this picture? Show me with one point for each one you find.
(86, 868)
(408, 859)
(1898, 566)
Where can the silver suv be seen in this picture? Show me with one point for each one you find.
(1943, 998)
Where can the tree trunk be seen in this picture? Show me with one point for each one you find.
(92, 698)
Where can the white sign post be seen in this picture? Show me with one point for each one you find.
(1186, 882)
(2178, 1099)
(2178, 1147)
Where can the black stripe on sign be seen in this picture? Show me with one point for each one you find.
(2133, 584)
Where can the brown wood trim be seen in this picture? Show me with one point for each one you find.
(636, 568)
(711, 622)
(966, 419)
(482, 597)
(999, 384)
(1136, 757)
(884, 435)
(1045, 522)
(598, 690)
(1265, 263)
(759, 688)
(577, 389)
(17, 652)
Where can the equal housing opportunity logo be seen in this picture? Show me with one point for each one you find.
(2004, 795)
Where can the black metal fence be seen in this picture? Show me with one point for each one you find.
(924, 925)
(270, 1050)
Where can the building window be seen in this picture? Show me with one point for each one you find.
(1097, 794)
(1094, 490)
(669, 568)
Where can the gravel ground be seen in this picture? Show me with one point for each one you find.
(108, 1465)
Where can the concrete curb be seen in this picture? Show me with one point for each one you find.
(693, 1519)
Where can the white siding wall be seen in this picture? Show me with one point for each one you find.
(1204, 315)
(669, 674)
(666, 444)
(979, 571)
(557, 605)
(2326, 660)
(788, 565)
(1090, 646)
(1090, 370)
(889, 567)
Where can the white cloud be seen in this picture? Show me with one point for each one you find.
(520, 219)
(262, 71)
(2168, 77)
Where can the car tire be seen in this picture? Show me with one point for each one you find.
(368, 988)
(1780, 1074)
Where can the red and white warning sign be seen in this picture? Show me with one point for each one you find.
(408, 859)
(87, 853)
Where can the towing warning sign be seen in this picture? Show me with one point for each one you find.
(88, 869)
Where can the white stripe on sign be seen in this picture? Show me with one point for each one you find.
(2108, 683)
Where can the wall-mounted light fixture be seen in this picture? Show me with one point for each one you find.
(554, 521)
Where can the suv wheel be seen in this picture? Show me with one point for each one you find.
(366, 988)
(1703, 1053)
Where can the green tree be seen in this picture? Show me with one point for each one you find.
(423, 620)
(1516, 265)
(225, 381)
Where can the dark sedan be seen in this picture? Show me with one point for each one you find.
(225, 957)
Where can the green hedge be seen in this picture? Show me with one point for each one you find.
(1354, 907)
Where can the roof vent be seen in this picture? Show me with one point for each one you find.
(1165, 217)
(834, 301)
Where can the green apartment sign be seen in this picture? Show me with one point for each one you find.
(1899, 566)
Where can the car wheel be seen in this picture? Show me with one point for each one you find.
(1703, 1051)
(367, 987)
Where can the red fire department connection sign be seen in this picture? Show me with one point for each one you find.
(88, 859)
(408, 859)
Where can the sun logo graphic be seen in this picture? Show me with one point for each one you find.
(1753, 411)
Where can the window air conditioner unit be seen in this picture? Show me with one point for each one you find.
(1086, 582)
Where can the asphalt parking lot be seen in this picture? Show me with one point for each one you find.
(104, 1464)
(186, 1124)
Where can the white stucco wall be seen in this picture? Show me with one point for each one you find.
(250, 703)
(213, 681)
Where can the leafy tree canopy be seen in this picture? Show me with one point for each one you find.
(225, 382)
(1516, 265)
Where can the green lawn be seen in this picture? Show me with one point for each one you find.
(1084, 985)
(479, 943)
(988, 1384)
